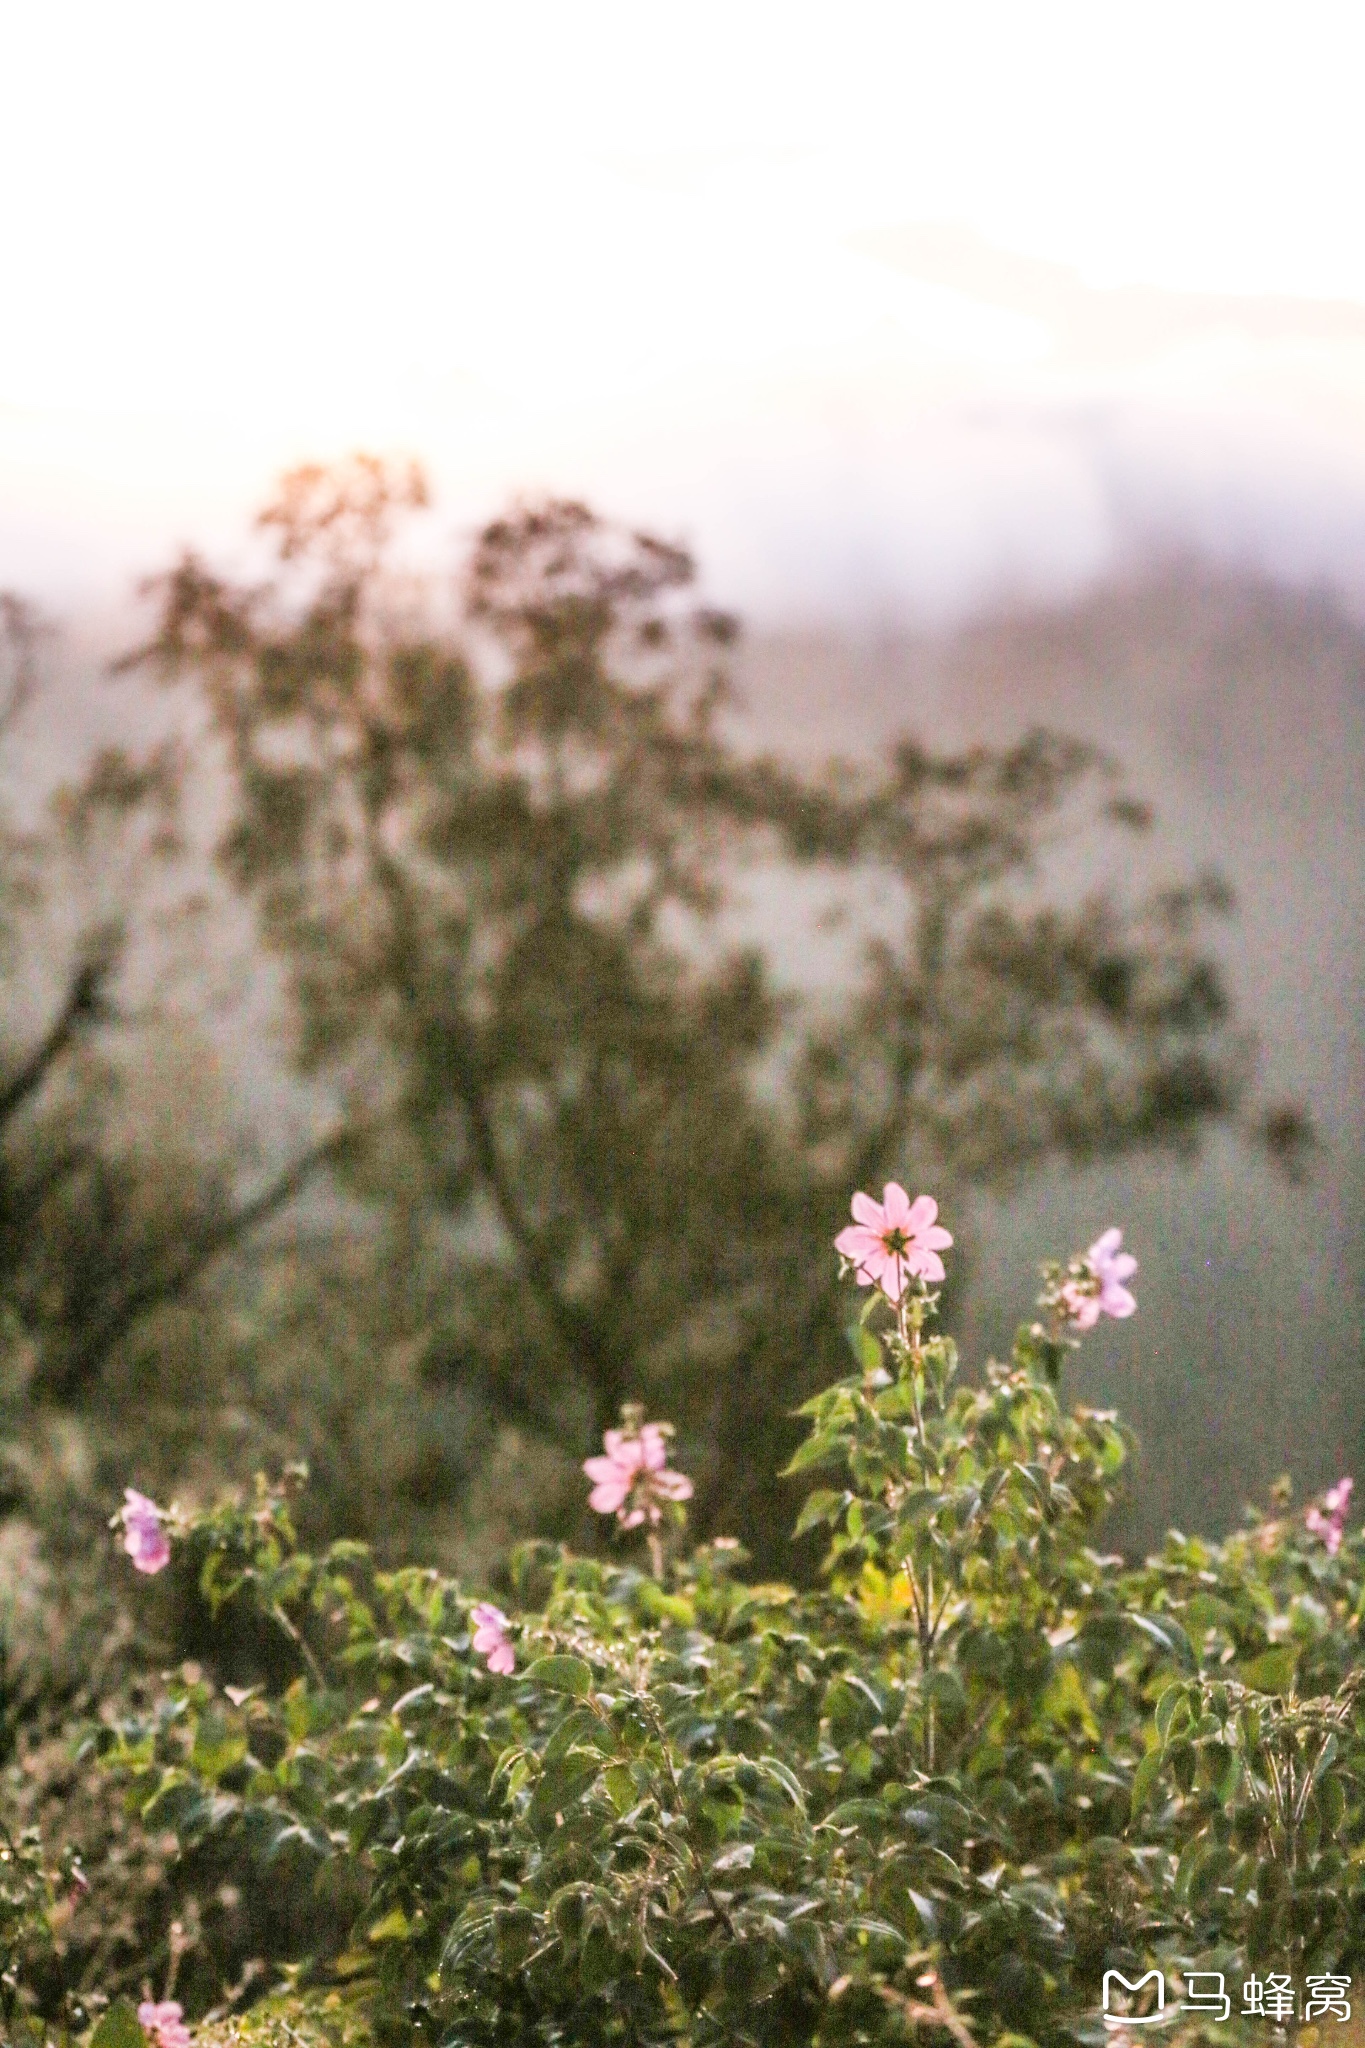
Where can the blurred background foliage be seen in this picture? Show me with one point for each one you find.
(574, 1140)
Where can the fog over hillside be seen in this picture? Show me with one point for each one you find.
(1237, 707)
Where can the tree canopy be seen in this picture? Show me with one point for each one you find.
(494, 856)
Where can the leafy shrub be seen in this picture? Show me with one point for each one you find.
(978, 1767)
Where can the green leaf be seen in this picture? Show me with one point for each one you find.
(1272, 1671)
(621, 1788)
(865, 1348)
(580, 1726)
(856, 1813)
(774, 1768)
(217, 1748)
(1213, 1863)
(561, 1787)
(820, 1506)
(561, 1674)
(822, 1444)
(1230, 1781)
(1168, 1634)
(1165, 1708)
(1327, 1758)
(1205, 1611)
(1331, 1797)
(656, 1605)
(119, 2028)
(395, 1926)
(1065, 1701)
(1144, 1779)
(928, 1917)
(1249, 1728)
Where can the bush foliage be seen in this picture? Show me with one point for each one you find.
(980, 1765)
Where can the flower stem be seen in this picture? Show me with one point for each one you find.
(300, 1644)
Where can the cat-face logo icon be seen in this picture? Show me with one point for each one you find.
(1129, 2019)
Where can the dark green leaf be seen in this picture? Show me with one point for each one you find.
(561, 1674)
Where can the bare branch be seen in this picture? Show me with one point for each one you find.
(84, 1005)
(154, 1289)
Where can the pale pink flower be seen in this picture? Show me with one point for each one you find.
(890, 1240)
(1104, 1293)
(634, 1479)
(144, 1538)
(164, 2024)
(1329, 1526)
(490, 1638)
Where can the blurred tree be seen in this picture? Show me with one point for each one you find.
(101, 1223)
(494, 861)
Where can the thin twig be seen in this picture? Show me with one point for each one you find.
(300, 1644)
(940, 2014)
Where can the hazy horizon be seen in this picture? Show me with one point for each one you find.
(886, 323)
(870, 487)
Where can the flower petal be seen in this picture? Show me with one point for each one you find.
(1084, 1309)
(868, 1213)
(672, 1485)
(653, 1447)
(896, 1204)
(1104, 1247)
(922, 1213)
(1116, 1301)
(893, 1276)
(856, 1241)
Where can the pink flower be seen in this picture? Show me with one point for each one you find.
(1337, 1499)
(144, 1539)
(490, 1638)
(164, 2024)
(1103, 1293)
(634, 1478)
(894, 1238)
(1329, 1526)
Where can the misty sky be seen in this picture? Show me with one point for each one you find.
(886, 308)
